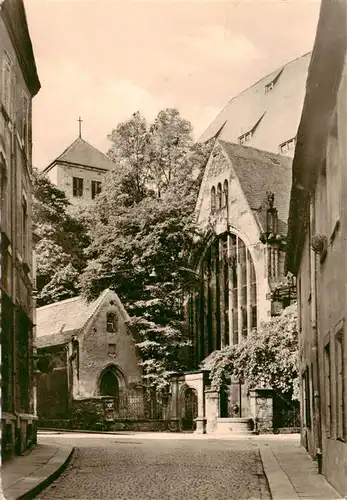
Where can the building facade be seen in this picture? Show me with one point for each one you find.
(267, 114)
(89, 371)
(317, 247)
(19, 83)
(79, 171)
(242, 208)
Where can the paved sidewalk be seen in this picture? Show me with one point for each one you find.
(25, 476)
(291, 473)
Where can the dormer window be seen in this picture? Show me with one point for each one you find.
(245, 138)
(269, 87)
(287, 146)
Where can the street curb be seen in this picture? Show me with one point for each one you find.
(279, 483)
(62, 457)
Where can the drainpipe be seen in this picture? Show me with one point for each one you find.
(315, 352)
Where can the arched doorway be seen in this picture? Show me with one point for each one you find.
(109, 386)
(190, 409)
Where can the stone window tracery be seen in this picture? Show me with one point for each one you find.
(225, 309)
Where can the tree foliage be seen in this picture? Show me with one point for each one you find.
(62, 238)
(143, 232)
(267, 358)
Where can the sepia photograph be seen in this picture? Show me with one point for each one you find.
(173, 236)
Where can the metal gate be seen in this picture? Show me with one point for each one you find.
(190, 411)
(286, 413)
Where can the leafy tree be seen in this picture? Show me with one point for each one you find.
(267, 358)
(143, 232)
(62, 238)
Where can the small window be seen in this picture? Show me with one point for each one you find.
(24, 227)
(111, 322)
(213, 199)
(112, 349)
(96, 188)
(77, 187)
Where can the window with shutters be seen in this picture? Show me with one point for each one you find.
(327, 387)
(96, 188)
(24, 227)
(77, 187)
(340, 385)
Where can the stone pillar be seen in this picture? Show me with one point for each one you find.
(201, 418)
(262, 409)
(230, 291)
(174, 424)
(212, 410)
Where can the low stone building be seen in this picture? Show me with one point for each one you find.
(317, 247)
(243, 208)
(88, 366)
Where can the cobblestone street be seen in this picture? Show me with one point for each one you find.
(131, 467)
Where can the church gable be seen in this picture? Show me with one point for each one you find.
(222, 202)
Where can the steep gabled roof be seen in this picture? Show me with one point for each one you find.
(80, 152)
(280, 108)
(58, 322)
(261, 171)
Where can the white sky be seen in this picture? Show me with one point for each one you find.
(105, 59)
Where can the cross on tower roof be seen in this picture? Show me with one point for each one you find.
(80, 127)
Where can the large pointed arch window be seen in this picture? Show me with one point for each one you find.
(225, 309)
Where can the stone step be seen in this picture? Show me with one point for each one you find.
(235, 425)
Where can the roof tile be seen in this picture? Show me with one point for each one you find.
(261, 171)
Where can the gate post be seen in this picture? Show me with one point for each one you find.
(174, 419)
(262, 409)
(212, 410)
